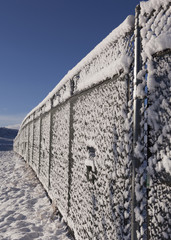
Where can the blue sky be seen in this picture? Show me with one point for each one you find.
(41, 40)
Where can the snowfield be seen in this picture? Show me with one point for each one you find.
(25, 210)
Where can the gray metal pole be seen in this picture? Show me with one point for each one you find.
(40, 138)
(50, 142)
(32, 153)
(28, 143)
(136, 119)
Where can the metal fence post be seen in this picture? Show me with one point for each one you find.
(28, 142)
(70, 156)
(32, 153)
(50, 141)
(40, 137)
(136, 120)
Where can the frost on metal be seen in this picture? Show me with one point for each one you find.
(36, 142)
(59, 157)
(79, 139)
(44, 150)
(154, 144)
(101, 206)
(159, 120)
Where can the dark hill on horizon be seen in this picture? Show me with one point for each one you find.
(6, 138)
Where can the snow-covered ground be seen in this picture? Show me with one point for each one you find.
(25, 210)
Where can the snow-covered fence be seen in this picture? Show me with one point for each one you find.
(155, 76)
(99, 142)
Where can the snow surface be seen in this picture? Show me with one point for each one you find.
(25, 210)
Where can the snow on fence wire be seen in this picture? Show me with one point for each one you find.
(100, 141)
(155, 24)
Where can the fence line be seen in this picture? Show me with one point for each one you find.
(100, 141)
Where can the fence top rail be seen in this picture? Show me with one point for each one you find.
(91, 65)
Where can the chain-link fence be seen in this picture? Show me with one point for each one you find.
(100, 141)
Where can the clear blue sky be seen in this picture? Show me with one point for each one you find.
(41, 40)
